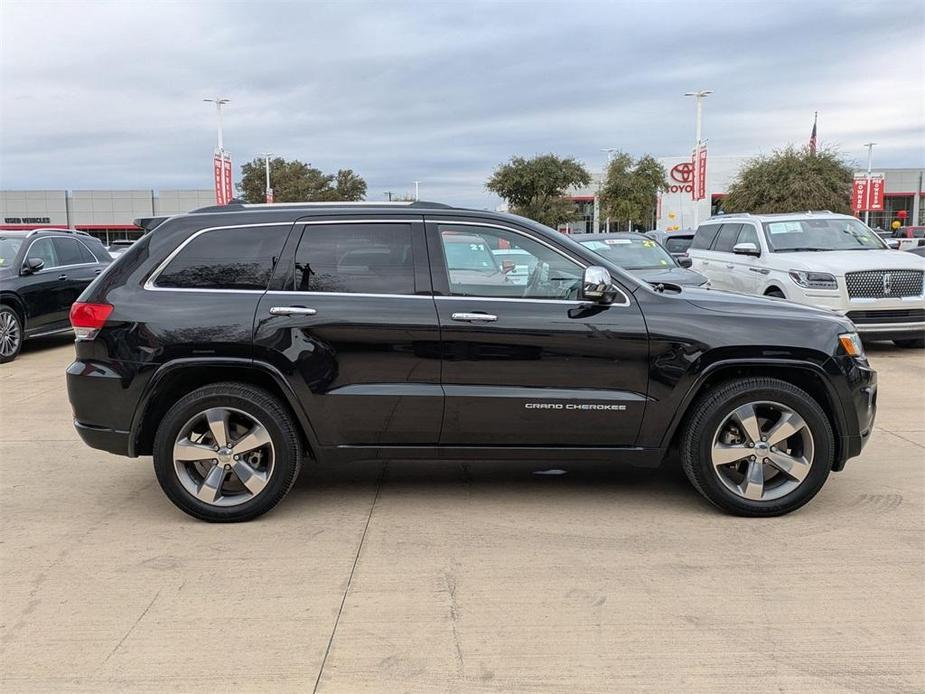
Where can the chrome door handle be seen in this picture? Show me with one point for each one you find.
(762, 270)
(62, 277)
(292, 311)
(729, 267)
(474, 317)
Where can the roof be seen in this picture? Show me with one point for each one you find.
(779, 215)
(25, 233)
(238, 206)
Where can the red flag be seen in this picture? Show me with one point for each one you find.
(812, 137)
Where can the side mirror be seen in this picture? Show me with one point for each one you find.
(597, 285)
(33, 265)
(746, 249)
(684, 260)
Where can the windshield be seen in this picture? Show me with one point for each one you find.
(631, 254)
(9, 247)
(821, 235)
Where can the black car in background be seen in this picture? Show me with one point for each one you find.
(42, 273)
(234, 343)
(640, 255)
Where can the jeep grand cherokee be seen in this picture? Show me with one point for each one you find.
(232, 343)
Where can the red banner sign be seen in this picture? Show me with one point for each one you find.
(859, 195)
(217, 171)
(867, 193)
(227, 177)
(875, 203)
(700, 174)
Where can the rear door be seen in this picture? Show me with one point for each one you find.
(351, 321)
(46, 293)
(528, 364)
(78, 266)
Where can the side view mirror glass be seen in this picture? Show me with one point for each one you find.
(746, 249)
(684, 261)
(33, 265)
(597, 285)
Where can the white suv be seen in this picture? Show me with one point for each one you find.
(821, 259)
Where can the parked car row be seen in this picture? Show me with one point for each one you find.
(42, 273)
(822, 259)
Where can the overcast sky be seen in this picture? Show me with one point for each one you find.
(108, 95)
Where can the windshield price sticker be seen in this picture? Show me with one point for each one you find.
(785, 228)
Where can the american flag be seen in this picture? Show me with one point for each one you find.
(812, 137)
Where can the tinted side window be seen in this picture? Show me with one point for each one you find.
(237, 258)
(492, 262)
(373, 258)
(704, 236)
(727, 238)
(677, 244)
(43, 250)
(748, 235)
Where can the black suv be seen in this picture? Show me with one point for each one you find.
(42, 273)
(231, 343)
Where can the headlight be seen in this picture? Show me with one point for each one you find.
(852, 344)
(814, 280)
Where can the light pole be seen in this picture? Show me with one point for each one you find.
(269, 190)
(870, 156)
(609, 151)
(224, 185)
(700, 97)
(219, 102)
(416, 190)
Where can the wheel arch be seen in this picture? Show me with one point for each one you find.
(177, 378)
(13, 300)
(804, 375)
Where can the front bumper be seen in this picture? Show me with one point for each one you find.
(860, 409)
(878, 319)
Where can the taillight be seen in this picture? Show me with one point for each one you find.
(87, 319)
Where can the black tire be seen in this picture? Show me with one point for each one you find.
(255, 402)
(709, 412)
(10, 328)
(911, 343)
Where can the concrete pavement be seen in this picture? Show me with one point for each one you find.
(416, 577)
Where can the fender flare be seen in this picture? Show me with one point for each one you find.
(840, 422)
(172, 367)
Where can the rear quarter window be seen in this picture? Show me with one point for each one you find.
(703, 239)
(233, 258)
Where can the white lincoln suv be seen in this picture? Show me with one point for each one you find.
(818, 258)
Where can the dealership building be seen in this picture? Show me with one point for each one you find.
(106, 214)
(904, 190)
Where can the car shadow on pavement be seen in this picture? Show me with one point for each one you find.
(569, 482)
(40, 344)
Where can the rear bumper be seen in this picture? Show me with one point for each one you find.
(109, 440)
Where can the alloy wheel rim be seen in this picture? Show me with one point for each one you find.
(9, 334)
(224, 456)
(762, 451)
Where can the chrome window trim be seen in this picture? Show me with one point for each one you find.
(58, 267)
(366, 295)
(150, 285)
(581, 263)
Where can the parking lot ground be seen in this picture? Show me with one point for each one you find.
(422, 577)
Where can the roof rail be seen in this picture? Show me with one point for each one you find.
(237, 205)
(61, 230)
(731, 214)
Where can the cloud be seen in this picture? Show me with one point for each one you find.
(108, 95)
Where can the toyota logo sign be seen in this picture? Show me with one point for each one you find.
(683, 176)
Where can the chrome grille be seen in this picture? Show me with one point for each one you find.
(877, 284)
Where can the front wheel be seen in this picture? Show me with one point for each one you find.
(227, 452)
(757, 447)
(10, 334)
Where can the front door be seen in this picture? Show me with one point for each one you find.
(48, 292)
(525, 362)
(352, 324)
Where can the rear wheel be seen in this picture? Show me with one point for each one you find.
(757, 447)
(10, 334)
(227, 452)
(913, 343)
